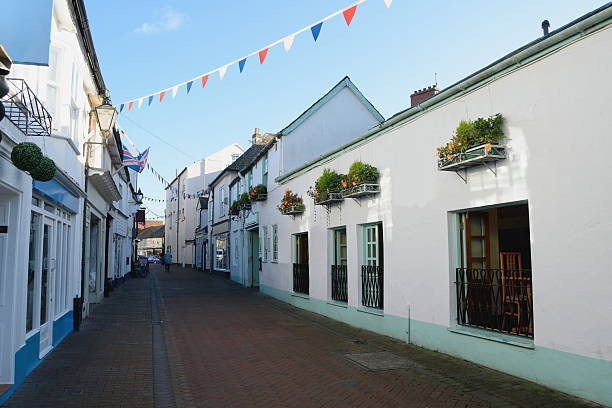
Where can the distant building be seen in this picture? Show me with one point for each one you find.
(151, 240)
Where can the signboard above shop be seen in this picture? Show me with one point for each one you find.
(25, 31)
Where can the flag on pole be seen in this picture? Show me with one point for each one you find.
(129, 160)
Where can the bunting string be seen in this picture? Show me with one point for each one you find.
(315, 29)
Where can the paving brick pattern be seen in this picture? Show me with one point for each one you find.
(228, 346)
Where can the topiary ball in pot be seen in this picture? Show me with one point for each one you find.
(26, 156)
(44, 171)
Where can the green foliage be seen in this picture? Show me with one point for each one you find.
(44, 170)
(290, 200)
(257, 190)
(26, 156)
(473, 133)
(360, 172)
(244, 199)
(234, 208)
(329, 182)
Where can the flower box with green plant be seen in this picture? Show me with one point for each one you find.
(291, 204)
(362, 180)
(28, 157)
(327, 188)
(244, 202)
(234, 208)
(475, 142)
(258, 193)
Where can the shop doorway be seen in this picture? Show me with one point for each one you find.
(254, 259)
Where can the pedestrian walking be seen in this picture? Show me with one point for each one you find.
(167, 261)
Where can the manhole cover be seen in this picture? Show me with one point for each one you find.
(380, 361)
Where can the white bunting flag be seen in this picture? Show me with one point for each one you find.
(288, 42)
(222, 71)
(174, 91)
(140, 102)
(388, 3)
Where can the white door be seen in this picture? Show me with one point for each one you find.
(46, 288)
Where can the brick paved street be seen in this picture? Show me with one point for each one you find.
(232, 347)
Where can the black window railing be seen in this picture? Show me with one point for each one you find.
(372, 286)
(25, 110)
(495, 299)
(339, 283)
(300, 278)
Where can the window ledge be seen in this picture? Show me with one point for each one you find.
(371, 310)
(494, 336)
(300, 295)
(338, 304)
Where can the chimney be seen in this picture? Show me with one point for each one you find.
(545, 27)
(423, 94)
(256, 137)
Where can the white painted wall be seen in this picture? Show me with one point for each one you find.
(341, 119)
(557, 127)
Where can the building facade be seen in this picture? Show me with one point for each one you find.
(491, 260)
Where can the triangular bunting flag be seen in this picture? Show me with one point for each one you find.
(288, 42)
(121, 107)
(150, 99)
(241, 64)
(174, 91)
(349, 14)
(130, 105)
(161, 95)
(222, 71)
(262, 55)
(189, 84)
(139, 103)
(205, 80)
(388, 3)
(316, 30)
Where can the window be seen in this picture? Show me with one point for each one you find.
(238, 185)
(266, 242)
(494, 280)
(221, 251)
(236, 251)
(52, 84)
(301, 277)
(222, 202)
(264, 171)
(33, 264)
(339, 271)
(275, 243)
(250, 180)
(372, 278)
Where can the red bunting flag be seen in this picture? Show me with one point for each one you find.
(161, 95)
(349, 14)
(262, 55)
(204, 80)
(130, 105)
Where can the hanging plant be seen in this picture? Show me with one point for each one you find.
(360, 173)
(469, 134)
(329, 182)
(44, 170)
(26, 156)
(258, 193)
(291, 203)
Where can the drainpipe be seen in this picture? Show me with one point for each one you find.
(178, 215)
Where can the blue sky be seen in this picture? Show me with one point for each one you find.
(388, 53)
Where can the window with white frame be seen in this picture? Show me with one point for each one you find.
(222, 202)
(53, 85)
(264, 171)
(266, 242)
(249, 180)
(275, 243)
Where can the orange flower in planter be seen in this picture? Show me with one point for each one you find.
(344, 183)
(488, 147)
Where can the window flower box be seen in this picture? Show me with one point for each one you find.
(258, 193)
(474, 156)
(293, 210)
(291, 204)
(328, 198)
(360, 190)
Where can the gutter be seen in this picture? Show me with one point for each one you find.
(564, 35)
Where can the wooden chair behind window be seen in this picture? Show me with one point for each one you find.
(516, 293)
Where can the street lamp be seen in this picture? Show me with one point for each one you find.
(139, 196)
(106, 114)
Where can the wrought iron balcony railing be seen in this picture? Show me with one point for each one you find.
(301, 280)
(339, 283)
(495, 299)
(25, 110)
(372, 286)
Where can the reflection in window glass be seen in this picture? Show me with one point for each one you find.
(221, 247)
(32, 267)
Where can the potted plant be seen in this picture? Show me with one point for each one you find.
(327, 188)
(234, 208)
(362, 180)
(258, 193)
(28, 157)
(473, 143)
(244, 203)
(291, 204)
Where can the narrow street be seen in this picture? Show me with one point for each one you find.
(194, 339)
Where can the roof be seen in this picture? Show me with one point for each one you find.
(259, 155)
(243, 161)
(534, 50)
(152, 232)
(344, 82)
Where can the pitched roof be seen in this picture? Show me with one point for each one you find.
(243, 161)
(152, 232)
(344, 82)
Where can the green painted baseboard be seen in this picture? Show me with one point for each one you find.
(581, 376)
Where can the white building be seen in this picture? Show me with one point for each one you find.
(504, 263)
(42, 223)
(182, 202)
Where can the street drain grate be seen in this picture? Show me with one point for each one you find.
(381, 361)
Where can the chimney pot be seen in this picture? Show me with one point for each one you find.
(545, 26)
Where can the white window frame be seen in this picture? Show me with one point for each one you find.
(266, 243)
(275, 243)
